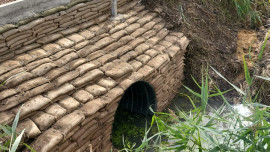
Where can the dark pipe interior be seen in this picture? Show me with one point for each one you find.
(138, 98)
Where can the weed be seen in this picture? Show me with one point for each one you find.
(224, 129)
(9, 135)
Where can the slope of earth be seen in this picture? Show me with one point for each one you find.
(264, 66)
(213, 33)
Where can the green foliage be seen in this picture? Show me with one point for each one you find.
(245, 10)
(225, 129)
(9, 135)
(248, 12)
(263, 46)
(200, 131)
(124, 129)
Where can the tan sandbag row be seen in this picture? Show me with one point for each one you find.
(7, 93)
(126, 83)
(66, 78)
(43, 120)
(170, 86)
(135, 64)
(56, 110)
(113, 105)
(143, 58)
(126, 7)
(47, 140)
(36, 103)
(94, 105)
(69, 122)
(102, 42)
(92, 132)
(88, 134)
(27, 48)
(22, 97)
(96, 144)
(107, 147)
(31, 129)
(25, 34)
(96, 90)
(140, 49)
(47, 28)
(15, 40)
(113, 95)
(164, 69)
(83, 130)
(72, 146)
(159, 79)
(88, 78)
(6, 55)
(69, 103)
(108, 100)
(3, 49)
(56, 93)
(54, 73)
(63, 146)
(119, 47)
(2, 44)
(107, 83)
(90, 118)
(117, 69)
(102, 7)
(146, 71)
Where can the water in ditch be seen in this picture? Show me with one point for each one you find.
(129, 128)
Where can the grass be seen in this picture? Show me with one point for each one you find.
(9, 136)
(224, 129)
(200, 131)
(249, 12)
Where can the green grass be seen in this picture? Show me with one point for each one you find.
(11, 140)
(247, 12)
(200, 131)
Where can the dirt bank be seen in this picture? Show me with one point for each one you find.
(213, 32)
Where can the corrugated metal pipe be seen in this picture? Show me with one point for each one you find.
(138, 98)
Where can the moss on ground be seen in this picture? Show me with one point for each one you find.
(130, 126)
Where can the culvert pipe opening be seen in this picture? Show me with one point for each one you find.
(138, 98)
(133, 113)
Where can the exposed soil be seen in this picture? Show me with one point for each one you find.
(211, 41)
(264, 67)
(213, 36)
(6, 1)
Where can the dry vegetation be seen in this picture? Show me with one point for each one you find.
(212, 27)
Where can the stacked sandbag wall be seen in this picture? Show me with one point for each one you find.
(70, 77)
(53, 24)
